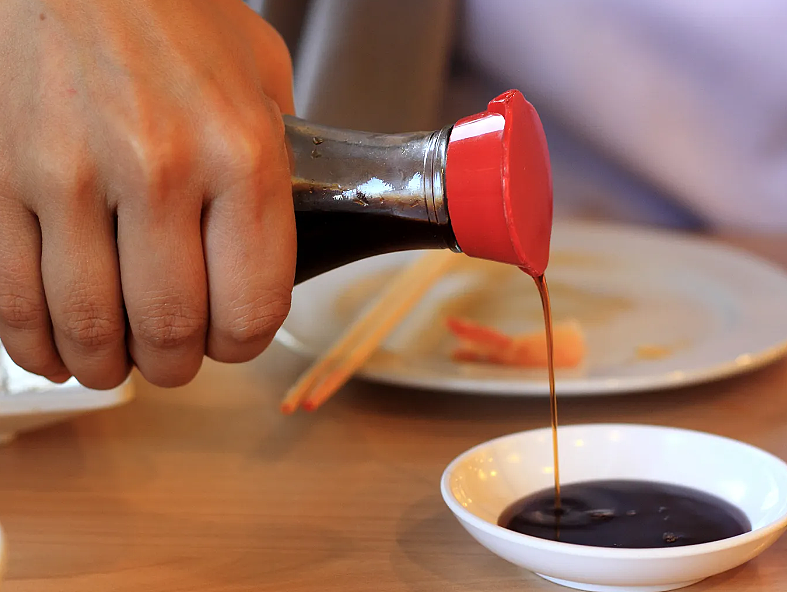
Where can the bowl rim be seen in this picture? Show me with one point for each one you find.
(607, 552)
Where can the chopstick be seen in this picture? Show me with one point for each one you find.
(334, 368)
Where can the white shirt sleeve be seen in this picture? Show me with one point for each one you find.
(691, 96)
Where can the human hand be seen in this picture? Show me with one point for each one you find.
(145, 202)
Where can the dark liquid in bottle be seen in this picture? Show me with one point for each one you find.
(329, 238)
(626, 514)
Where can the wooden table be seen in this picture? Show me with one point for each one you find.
(208, 489)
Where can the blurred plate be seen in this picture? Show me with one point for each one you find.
(658, 309)
(29, 402)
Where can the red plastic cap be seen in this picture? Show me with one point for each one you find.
(499, 184)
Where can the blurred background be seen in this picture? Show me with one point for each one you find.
(657, 112)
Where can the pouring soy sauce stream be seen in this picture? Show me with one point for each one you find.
(546, 305)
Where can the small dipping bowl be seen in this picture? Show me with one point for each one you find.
(482, 482)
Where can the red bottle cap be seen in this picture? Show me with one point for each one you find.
(499, 184)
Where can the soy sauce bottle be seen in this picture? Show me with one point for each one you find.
(481, 186)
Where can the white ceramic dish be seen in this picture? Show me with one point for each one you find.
(29, 402)
(479, 484)
(706, 310)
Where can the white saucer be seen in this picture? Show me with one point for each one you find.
(479, 484)
(29, 402)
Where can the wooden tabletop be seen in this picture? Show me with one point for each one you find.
(208, 489)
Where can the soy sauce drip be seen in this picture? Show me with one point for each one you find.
(543, 291)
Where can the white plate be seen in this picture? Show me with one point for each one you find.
(711, 310)
(29, 402)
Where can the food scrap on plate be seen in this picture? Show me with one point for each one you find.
(481, 344)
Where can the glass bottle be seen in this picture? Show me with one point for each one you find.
(481, 186)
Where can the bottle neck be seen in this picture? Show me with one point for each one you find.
(393, 175)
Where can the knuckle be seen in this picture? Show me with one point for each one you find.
(70, 178)
(90, 324)
(253, 141)
(257, 321)
(160, 164)
(169, 323)
(22, 311)
(269, 121)
(246, 153)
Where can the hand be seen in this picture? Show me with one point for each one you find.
(145, 204)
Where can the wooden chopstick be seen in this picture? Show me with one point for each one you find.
(334, 368)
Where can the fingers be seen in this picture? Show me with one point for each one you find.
(86, 149)
(249, 242)
(164, 285)
(275, 66)
(25, 328)
(271, 55)
(82, 285)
